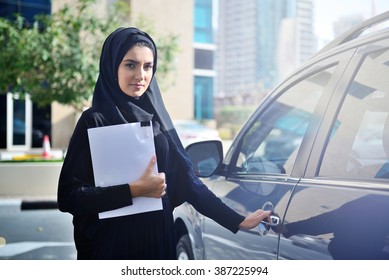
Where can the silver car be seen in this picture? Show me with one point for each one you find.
(315, 153)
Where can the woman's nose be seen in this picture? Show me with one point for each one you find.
(140, 74)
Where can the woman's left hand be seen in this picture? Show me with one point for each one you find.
(253, 220)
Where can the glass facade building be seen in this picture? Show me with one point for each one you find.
(204, 49)
(249, 43)
(27, 8)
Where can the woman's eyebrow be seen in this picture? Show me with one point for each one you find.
(136, 61)
(130, 60)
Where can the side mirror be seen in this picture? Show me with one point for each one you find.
(206, 156)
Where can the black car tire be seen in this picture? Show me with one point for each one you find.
(184, 248)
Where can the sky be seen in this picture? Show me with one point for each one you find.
(328, 11)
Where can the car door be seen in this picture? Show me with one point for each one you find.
(260, 168)
(340, 208)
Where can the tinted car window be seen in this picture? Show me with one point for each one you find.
(359, 143)
(272, 142)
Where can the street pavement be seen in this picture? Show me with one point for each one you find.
(27, 233)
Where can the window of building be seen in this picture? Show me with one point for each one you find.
(203, 21)
(203, 59)
(3, 121)
(203, 95)
(26, 8)
(41, 124)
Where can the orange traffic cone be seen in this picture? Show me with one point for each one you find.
(46, 147)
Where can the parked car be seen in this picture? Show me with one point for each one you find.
(191, 131)
(315, 153)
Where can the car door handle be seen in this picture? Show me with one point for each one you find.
(273, 221)
(264, 226)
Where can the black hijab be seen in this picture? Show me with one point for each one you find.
(117, 107)
(108, 97)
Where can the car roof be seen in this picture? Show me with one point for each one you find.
(358, 35)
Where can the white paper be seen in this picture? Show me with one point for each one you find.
(120, 155)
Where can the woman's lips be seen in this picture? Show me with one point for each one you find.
(138, 86)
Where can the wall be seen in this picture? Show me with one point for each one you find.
(173, 17)
(39, 180)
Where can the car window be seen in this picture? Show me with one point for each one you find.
(359, 143)
(271, 143)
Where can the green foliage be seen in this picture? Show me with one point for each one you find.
(167, 51)
(232, 118)
(60, 61)
(15, 59)
(234, 114)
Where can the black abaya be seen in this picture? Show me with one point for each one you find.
(141, 236)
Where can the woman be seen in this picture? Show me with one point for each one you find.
(126, 92)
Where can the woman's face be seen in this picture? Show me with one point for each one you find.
(135, 71)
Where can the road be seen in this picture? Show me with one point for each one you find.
(27, 234)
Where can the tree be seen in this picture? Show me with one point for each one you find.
(57, 57)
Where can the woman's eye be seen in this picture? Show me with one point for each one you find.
(130, 65)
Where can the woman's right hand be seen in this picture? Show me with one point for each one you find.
(149, 184)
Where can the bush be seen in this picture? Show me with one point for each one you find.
(230, 119)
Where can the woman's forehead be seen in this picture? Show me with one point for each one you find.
(139, 53)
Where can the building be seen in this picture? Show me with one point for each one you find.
(297, 41)
(23, 124)
(258, 41)
(345, 23)
(194, 23)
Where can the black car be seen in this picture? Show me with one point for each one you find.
(315, 153)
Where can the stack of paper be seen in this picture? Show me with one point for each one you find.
(120, 155)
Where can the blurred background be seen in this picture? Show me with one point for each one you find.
(218, 58)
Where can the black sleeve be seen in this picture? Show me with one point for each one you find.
(208, 204)
(76, 189)
(184, 185)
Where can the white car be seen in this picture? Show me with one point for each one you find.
(191, 131)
